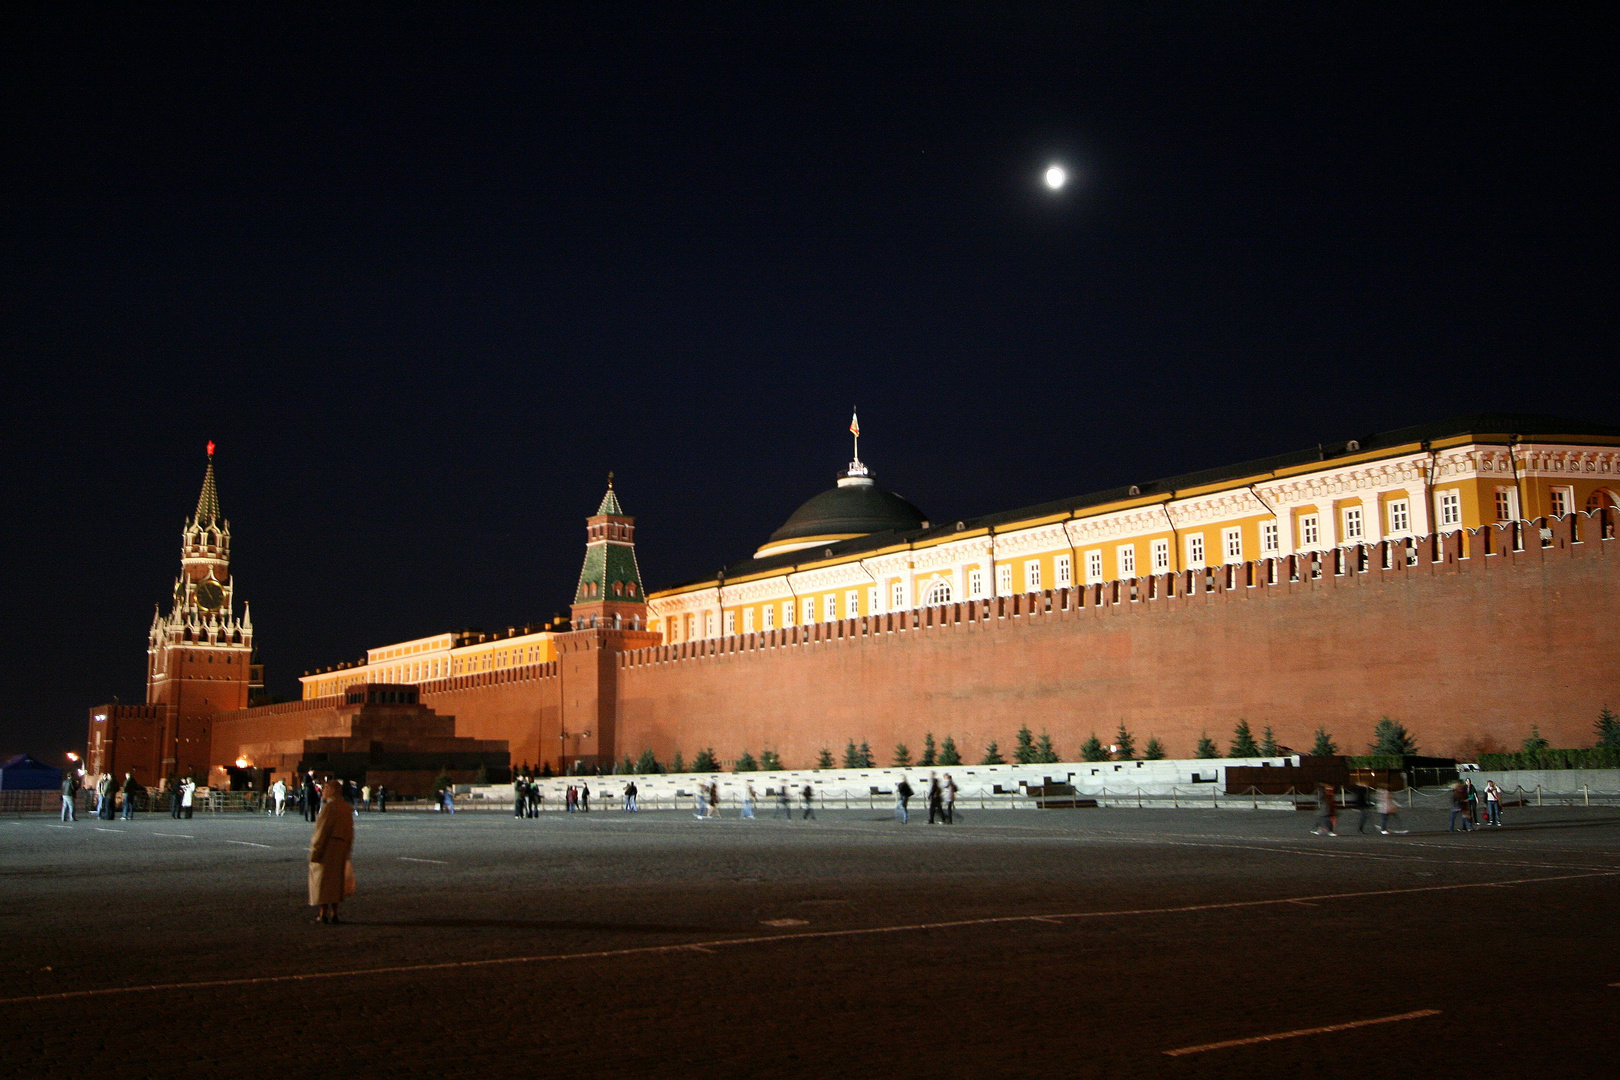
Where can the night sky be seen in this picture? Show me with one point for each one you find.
(425, 280)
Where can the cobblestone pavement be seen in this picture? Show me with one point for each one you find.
(1079, 943)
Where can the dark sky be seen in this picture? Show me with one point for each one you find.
(427, 278)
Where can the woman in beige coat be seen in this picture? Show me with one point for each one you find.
(331, 874)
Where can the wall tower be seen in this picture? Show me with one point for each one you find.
(199, 655)
(610, 594)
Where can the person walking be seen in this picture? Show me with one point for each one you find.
(809, 799)
(132, 791)
(903, 793)
(950, 800)
(748, 804)
(520, 797)
(714, 799)
(174, 798)
(278, 795)
(585, 798)
(1493, 803)
(784, 804)
(331, 846)
(936, 799)
(1459, 808)
(104, 796)
(382, 799)
(1473, 804)
(1356, 799)
(365, 798)
(630, 792)
(70, 792)
(312, 798)
(1327, 811)
(188, 792)
(1387, 809)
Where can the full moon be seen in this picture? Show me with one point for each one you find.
(1056, 177)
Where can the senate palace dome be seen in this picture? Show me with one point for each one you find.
(856, 507)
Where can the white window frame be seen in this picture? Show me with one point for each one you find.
(731, 623)
(1232, 544)
(1094, 573)
(976, 584)
(852, 604)
(708, 624)
(1062, 572)
(932, 597)
(1554, 495)
(787, 613)
(897, 596)
(1310, 531)
(809, 611)
(829, 607)
(1511, 497)
(1448, 509)
(1270, 538)
(1161, 555)
(768, 614)
(1195, 551)
(1032, 575)
(1400, 516)
(872, 600)
(748, 620)
(1354, 523)
(1126, 555)
(1004, 579)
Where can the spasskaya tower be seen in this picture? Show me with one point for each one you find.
(199, 655)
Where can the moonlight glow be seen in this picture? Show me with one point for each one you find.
(1056, 177)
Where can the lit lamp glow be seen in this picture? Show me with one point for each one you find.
(1056, 177)
(241, 763)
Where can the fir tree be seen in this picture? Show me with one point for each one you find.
(647, 764)
(927, 759)
(1392, 739)
(1325, 746)
(1243, 744)
(865, 756)
(1207, 747)
(825, 759)
(1268, 743)
(902, 756)
(948, 754)
(1045, 753)
(1093, 749)
(1535, 742)
(1126, 742)
(1155, 749)
(992, 755)
(746, 763)
(677, 766)
(442, 781)
(852, 756)
(1608, 729)
(626, 767)
(705, 761)
(1024, 751)
(769, 761)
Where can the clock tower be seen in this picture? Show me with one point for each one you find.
(199, 655)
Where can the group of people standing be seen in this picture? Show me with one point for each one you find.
(1465, 805)
(578, 799)
(107, 792)
(526, 797)
(1361, 799)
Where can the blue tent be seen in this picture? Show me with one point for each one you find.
(23, 773)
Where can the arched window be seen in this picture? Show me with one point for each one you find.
(938, 593)
(1599, 499)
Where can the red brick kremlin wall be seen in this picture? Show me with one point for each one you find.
(1467, 652)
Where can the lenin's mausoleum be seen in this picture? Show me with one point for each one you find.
(1461, 577)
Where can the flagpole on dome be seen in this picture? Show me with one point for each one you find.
(855, 467)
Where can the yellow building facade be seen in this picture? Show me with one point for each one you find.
(1440, 478)
(438, 656)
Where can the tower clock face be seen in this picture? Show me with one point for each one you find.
(210, 596)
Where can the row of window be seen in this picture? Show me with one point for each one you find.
(1352, 522)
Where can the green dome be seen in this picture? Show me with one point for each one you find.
(856, 507)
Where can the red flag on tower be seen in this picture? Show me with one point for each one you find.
(854, 425)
